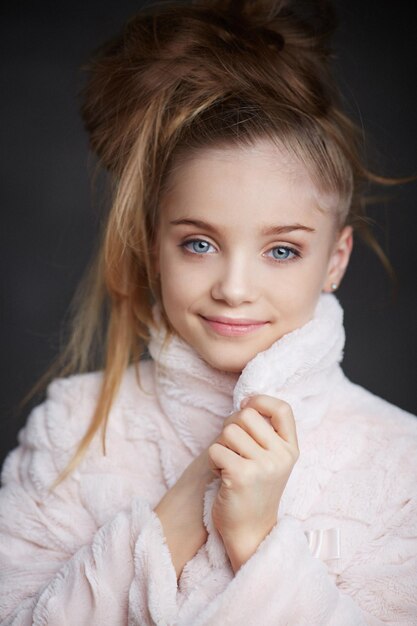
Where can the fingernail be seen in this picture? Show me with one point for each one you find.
(244, 402)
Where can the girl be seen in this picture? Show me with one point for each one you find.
(236, 476)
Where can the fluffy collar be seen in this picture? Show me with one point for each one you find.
(302, 368)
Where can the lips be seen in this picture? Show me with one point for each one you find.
(230, 321)
(230, 327)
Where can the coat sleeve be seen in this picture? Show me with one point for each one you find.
(283, 583)
(57, 566)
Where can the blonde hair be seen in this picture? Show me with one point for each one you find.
(181, 78)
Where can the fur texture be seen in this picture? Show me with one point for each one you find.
(344, 549)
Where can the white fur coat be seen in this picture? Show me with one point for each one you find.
(344, 550)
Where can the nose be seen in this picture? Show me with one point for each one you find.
(235, 282)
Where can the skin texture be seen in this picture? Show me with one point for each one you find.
(232, 269)
(236, 271)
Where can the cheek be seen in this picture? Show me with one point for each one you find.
(298, 281)
(181, 282)
(295, 290)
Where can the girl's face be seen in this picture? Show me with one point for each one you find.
(245, 235)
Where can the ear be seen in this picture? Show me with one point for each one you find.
(339, 259)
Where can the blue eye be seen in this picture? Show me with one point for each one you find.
(198, 246)
(284, 253)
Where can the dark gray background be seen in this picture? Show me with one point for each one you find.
(50, 218)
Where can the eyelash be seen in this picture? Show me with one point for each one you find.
(295, 252)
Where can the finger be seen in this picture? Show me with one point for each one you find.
(238, 440)
(280, 413)
(224, 458)
(213, 467)
(256, 426)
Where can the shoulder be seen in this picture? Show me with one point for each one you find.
(381, 436)
(56, 426)
(137, 380)
(356, 403)
(367, 445)
(54, 422)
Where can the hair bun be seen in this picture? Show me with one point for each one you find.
(315, 18)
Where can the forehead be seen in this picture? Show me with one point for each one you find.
(267, 179)
(263, 155)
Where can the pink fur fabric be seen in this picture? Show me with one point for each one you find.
(344, 549)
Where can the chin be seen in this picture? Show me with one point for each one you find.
(226, 362)
(227, 367)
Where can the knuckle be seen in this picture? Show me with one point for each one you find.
(286, 409)
(230, 430)
(283, 406)
(248, 416)
(212, 449)
(293, 454)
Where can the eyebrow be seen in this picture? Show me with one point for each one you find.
(265, 231)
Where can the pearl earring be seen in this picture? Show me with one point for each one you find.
(333, 286)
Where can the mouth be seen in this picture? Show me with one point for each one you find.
(232, 328)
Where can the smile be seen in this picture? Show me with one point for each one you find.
(232, 329)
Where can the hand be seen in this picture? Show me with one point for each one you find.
(254, 456)
(181, 512)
